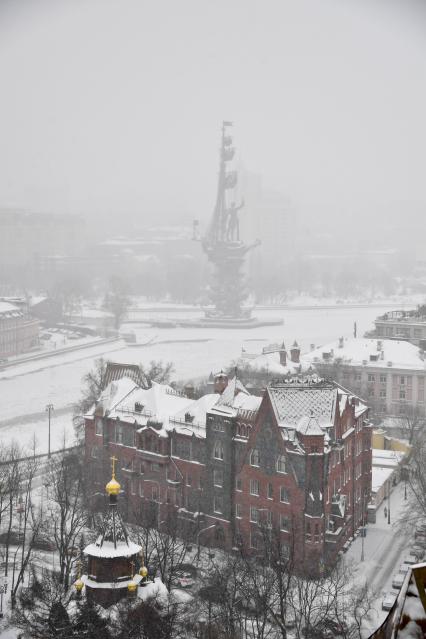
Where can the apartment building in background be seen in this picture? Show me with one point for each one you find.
(388, 374)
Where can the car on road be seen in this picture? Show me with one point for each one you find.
(398, 580)
(389, 599)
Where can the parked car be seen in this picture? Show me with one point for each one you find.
(398, 580)
(418, 552)
(404, 568)
(389, 599)
(420, 532)
(410, 559)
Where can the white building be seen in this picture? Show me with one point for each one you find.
(388, 374)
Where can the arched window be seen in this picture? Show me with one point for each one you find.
(218, 450)
(254, 457)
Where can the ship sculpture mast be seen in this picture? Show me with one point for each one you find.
(222, 243)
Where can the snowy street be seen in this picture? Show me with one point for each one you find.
(385, 546)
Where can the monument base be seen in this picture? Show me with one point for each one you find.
(228, 322)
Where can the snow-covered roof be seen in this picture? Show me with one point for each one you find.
(387, 458)
(371, 353)
(379, 476)
(8, 310)
(311, 396)
(270, 362)
(309, 425)
(109, 551)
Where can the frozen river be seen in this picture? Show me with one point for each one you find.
(26, 388)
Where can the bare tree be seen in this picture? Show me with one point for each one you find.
(68, 516)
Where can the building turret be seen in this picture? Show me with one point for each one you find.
(295, 353)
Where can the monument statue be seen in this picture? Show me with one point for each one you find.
(223, 244)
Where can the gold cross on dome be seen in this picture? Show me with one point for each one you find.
(113, 460)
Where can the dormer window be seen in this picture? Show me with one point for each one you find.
(254, 458)
(281, 464)
(189, 418)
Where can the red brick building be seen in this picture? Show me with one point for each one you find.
(230, 465)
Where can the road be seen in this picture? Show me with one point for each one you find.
(384, 549)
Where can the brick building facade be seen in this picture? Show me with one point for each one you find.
(230, 465)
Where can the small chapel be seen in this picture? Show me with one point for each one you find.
(115, 564)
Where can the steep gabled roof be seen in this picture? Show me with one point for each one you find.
(116, 371)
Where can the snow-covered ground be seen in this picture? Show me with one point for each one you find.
(26, 388)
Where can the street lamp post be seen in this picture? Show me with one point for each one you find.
(49, 409)
(363, 526)
(198, 538)
(389, 494)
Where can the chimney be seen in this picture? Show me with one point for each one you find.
(283, 355)
(295, 353)
(340, 342)
(379, 344)
(312, 347)
(220, 382)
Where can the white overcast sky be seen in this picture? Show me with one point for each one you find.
(114, 106)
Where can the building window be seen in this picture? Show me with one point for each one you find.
(383, 379)
(188, 480)
(270, 491)
(141, 468)
(218, 425)
(118, 434)
(371, 392)
(141, 488)
(98, 426)
(254, 457)
(402, 394)
(238, 484)
(95, 452)
(218, 504)
(218, 450)
(371, 377)
(357, 377)
(284, 523)
(254, 487)
(133, 486)
(383, 392)
(402, 380)
(238, 511)
(284, 495)
(254, 540)
(155, 493)
(218, 477)
(155, 467)
(254, 515)
(281, 464)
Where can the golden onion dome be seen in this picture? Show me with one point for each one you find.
(143, 571)
(79, 585)
(113, 487)
(132, 586)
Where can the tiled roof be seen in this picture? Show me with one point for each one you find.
(293, 400)
(118, 371)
